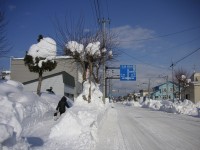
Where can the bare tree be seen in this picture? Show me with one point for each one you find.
(181, 76)
(4, 45)
(110, 44)
(77, 32)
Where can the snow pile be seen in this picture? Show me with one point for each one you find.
(25, 118)
(132, 103)
(45, 48)
(78, 127)
(18, 109)
(186, 107)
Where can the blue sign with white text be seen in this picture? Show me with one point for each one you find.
(127, 73)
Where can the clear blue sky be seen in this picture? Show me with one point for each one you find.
(176, 23)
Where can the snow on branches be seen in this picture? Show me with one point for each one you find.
(44, 49)
(92, 49)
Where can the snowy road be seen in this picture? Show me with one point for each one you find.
(132, 128)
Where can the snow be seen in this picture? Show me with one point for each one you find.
(46, 49)
(178, 107)
(110, 53)
(92, 49)
(75, 46)
(136, 128)
(23, 112)
(26, 120)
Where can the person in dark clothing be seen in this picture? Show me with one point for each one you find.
(61, 107)
(50, 90)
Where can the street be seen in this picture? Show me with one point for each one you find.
(134, 128)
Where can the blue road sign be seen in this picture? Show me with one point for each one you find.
(127, 73)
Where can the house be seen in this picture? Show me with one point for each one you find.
(192, 92)
(165, 91)
(66, 78)
(143, 93)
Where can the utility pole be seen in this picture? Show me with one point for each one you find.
(167, 87)
(149, 89)
(194, 68)
(110, 84)
(172, 65)
(103, 22)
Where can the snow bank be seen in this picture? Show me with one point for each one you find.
(132, 103)
(21, 111)
(78, 127)
(186, 107)
(17, 110)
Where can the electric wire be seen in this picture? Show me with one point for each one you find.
(94, 14)
(101, 13)
(172, 47)
(143, 61)
(161, 36)
(107, 9)
(173, 64)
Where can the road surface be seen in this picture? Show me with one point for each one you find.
(134, 128)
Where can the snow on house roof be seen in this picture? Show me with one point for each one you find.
(57, 57)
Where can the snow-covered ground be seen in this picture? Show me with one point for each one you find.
(26, 120)
(136, 128)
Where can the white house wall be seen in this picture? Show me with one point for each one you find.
(55, 82)
(21, 73)
(197, 92)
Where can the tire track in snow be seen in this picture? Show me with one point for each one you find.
(110, 136)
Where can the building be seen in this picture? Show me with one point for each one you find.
(165, 91)
(192, 92)
(66, 78)
(144, 93)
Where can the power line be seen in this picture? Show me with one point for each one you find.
(172, 47)
(142, 61)
(165, 35)
(98, 6)
(173, 64)
(97, 10)
(95, 17)
(107, 9)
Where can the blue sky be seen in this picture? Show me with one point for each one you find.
(172, 28)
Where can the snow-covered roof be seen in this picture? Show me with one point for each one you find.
(6, 72)
(56, 57)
